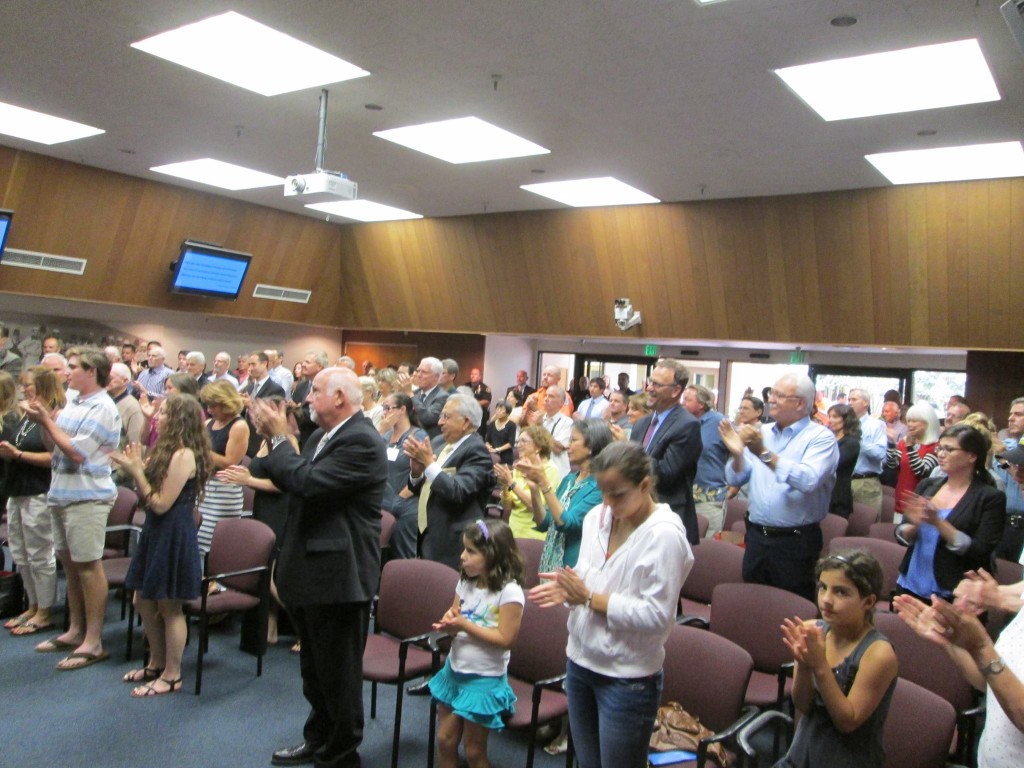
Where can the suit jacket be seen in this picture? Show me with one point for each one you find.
(458, 496)
(202, 380)
(981, 514)
(520, 399)
(330, 550)
(302, 415)
(269, 388)
(429, 410)
(675, 450)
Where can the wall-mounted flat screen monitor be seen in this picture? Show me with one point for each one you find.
(5, 227)
(209, 270)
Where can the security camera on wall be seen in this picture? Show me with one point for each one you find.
(625, 317)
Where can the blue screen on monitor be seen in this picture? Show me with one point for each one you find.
(5, 227)
(204, 270)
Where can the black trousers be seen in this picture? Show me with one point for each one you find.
(333, 638)
(786, 562)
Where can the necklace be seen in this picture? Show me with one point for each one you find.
(23, 431)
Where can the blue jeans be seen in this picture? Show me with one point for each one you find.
(611, 718)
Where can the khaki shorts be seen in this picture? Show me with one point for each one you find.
(81, 529)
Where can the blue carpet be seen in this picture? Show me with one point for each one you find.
(87, 718)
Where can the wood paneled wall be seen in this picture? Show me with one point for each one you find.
(130, 230)
(994, 379)
(926, 265)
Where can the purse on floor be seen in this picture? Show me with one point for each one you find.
(675, 728)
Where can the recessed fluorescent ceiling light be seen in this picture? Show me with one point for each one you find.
(462, 140)
(581, 193)
(217, 173)
(243, 52)
(364, 210)
(927, 77)
(978, 161)
(45, 129)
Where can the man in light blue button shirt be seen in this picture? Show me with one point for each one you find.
(874, 443)
(791, 467)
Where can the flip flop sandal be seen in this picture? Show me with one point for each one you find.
(30, 628)
(142, 675)
(88, 660)
(14, 623)
(55, 645)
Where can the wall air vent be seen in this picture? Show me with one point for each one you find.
(15, 257)
(278, 293)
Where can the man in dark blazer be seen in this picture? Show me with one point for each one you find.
(312, 364)
(455, 484)
(430, 399)
(671, 437)
(329, 566)
(259, 385)
(521, 390)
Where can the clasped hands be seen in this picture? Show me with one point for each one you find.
(806, 641)
(130, 460)
(561, 586)
(420, 454)
(738, 438)
(451, 623)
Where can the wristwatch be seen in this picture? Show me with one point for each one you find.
(765, 456)
(994, 667)
(276, 440)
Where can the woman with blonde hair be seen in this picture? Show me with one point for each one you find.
(535, 445)
(28, 517)
(229, 437)
(638, 407)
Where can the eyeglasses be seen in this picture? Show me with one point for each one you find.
(387, 408)
(653, 383)
(783, 396)
(943, 449)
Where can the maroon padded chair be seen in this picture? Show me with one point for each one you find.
(735, 512)
(889, 555)
(702, 526)
(750, 616)
(531, 550)
(413, 595)
(832, 527)
(239, 560)
(119, 523)
(861, 519)
(387, 527)
(888, 506)
(536, 670)
(714, 563)
(708, 676)
(884, 531)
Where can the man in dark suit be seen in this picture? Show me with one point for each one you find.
(454, 485)
(521, 390)
(329, 566)
(196, 364)
(312, 364)
(261, 386)
(429, 401)
(671, 437)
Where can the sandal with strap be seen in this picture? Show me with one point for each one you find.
(142, 675)
(145, 691)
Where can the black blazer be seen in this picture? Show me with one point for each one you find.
(429, 410)
(269, 388)
(520, 399)
(458, 496)
(330, 551)
(302, 416)
(674, 451)
(981, 514)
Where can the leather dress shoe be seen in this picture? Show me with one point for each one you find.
(300, 754)
(419, 689)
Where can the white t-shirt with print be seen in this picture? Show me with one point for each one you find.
(481, 606)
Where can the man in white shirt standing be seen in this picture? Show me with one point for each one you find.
(559, 426)
(874, 442)
(595, 405)
(278, 373)
(222, 368)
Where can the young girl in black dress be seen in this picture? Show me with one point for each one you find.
(166, 567)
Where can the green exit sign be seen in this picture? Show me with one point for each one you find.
(797, 356)
(650, 350)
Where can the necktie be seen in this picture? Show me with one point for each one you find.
(421, 517)
(321, 444)
(590, 409)
(650, 431)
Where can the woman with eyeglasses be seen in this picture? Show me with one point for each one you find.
(398, 421)
(951, 524)
(534, 446)
(914, 456)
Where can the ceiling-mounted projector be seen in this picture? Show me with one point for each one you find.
(321, 182)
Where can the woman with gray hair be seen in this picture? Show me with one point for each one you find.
(371, 408)
(914, 455)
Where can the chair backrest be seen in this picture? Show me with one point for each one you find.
(413, 595)
(239, 543)
(832, 527)
(531, 550)
(714, 563)
(884, 531)
(702, 526)
(888, 507)
(121, 513)
(888, 490)
(387, 527)
(889, 555)
(861, 518)
(924, 663)
(735, 511)
(707, 674)
(248, 498)
(539, 650)
(1008, 572)
(750, 615)
(919, 728)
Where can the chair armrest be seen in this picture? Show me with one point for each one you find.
(554, 683)
(693, 621)
(437, 641)
(229, 574)
(727, 735)
(125, 527)
(755, 725)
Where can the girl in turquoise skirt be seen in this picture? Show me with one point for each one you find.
(472, 688)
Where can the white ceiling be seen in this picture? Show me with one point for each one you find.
(673, 98)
